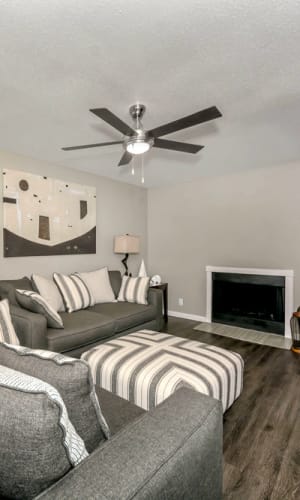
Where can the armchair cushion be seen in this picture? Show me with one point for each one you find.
(72, 379)
(38, 443)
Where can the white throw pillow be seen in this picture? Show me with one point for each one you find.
(98, 283)
(7, 331)
(49, 291)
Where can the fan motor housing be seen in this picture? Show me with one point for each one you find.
(137, 111)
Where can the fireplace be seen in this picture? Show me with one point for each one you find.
(258, 299)
(249, 301)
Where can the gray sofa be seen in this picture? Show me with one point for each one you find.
(173, 452)
(85, 328)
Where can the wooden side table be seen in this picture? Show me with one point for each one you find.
(164, 288)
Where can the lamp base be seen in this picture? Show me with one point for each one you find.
(124, 262)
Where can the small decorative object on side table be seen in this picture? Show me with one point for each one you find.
(164, 288)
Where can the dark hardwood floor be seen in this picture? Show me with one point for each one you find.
(262, 428)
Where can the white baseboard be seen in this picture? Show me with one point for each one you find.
(194, 317)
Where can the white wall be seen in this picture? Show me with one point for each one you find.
(247, 219)
(121, 208)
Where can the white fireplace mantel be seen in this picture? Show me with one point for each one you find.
(289, 288)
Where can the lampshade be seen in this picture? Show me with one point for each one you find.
(127, 244)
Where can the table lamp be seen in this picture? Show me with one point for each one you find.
(126, 244)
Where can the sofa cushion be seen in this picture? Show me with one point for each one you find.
(7, 330)
(72, 379)
(125, 314)
(134, 290)
(48, 289)
(80, 328)
(38, 443)
(34, 302)
(99, 285)
(8, 288)
(74, 292)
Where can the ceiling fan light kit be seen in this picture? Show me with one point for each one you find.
(137, 147)
(137, 141)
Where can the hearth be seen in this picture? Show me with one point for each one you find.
(258, 299)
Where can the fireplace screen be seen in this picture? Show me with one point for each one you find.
(249, 301)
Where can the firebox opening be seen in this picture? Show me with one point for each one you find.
(249, 301)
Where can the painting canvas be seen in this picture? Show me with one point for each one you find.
(45, 216)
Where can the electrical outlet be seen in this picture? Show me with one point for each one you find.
(180, 301)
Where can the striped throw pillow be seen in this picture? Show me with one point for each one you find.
(33, 301)
(7, 331)
(74, 291)
(134, 290)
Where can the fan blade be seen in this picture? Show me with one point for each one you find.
(86, 146)
(113, 120)
(177, 146)
(126, 158)
(188, 121)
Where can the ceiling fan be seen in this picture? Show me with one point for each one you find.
(137, 141)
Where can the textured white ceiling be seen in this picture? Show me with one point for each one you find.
(60, 58)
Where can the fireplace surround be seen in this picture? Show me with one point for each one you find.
(259, 299)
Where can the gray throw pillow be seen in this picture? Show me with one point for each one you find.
(72, 378)
(38, 443)
(34, 302)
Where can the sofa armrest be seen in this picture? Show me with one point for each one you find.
(173, 452)
(30, 327)
(155, 298)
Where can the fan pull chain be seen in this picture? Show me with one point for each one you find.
(132, 169)
(142, 170)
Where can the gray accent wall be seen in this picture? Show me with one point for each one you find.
(121, 208)
(245, 219)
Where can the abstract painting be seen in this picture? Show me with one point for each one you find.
(45, 216)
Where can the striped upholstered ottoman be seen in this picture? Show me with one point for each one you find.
(146, 367)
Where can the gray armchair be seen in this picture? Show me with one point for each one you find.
(173, 452)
